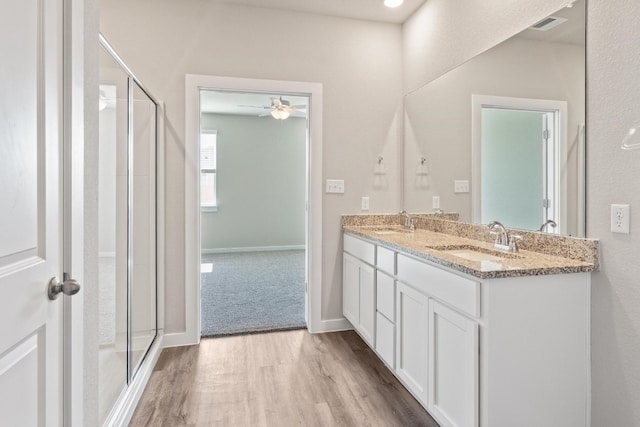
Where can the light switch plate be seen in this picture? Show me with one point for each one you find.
(335, 186)
(461, 186)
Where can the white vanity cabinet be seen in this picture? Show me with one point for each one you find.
(437, 343)
(358, 296)
(413, 340)
(453, 366)
(475, 352)
(358, 287)
(385, 305)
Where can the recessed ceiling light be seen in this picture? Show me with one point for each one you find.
(393, 3)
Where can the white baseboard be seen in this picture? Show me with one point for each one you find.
(123, 410)
(178, 339)
(331, 325)
(252, 249)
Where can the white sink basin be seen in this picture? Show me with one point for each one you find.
(387, 231)
(475, 253)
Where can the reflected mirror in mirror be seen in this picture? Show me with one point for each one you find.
(511, 122)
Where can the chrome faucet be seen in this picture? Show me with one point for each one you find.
(409, 221)
(502, 235)
(550, 222)
(504, 241)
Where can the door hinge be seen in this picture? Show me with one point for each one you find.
(545, 134)
(546, 203)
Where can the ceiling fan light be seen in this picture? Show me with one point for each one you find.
(280, 114)
(393, 3)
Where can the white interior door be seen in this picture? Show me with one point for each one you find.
(30, 218)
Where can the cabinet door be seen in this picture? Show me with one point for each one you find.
(350, 289)
(385, 340)
(412, 338)
(453, 367)
(367, 307)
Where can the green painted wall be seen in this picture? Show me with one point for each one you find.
(260, 182)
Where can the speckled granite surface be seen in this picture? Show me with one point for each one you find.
(540, 253)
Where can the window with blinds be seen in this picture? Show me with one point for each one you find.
(208, 160)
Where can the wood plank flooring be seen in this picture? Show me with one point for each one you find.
(289, 378)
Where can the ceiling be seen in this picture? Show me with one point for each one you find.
(370, 10)
(245, 103)
(571, 31)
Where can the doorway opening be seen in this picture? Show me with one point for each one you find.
(194, 85)
(525, 140)
(253, 180)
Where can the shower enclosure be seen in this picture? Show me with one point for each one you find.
(127, 207)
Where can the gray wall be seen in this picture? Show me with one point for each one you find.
(261, 174)
(359, 64)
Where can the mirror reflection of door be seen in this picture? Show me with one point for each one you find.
(519, 145)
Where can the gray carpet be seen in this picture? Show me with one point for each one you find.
(252, 292)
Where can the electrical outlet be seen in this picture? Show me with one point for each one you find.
(620, 219)
(435, 202)
(364, 204)
(460, 186)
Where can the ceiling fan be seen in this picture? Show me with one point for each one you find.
(280, 109)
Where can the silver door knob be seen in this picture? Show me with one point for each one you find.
(68, 287)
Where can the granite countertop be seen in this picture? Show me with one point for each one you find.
(432, 246)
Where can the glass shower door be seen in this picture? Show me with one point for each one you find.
(127, 228)
(112, 231)
(142, 301)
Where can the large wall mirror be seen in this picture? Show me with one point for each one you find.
(508, 128)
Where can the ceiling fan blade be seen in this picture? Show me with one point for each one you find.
(264, 115)
(255, 106)
(299, 107)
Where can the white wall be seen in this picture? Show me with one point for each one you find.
(359, 64)
(613, 176)
(261, 175)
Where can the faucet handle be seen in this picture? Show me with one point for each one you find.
(513, 242)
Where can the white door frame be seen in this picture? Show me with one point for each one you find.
(193, 85)
(74, 71)
(560, 129)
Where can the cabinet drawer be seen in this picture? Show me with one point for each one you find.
(386, 260)
(450, 288)
(385, 340)
(360, 249)
(386, 295)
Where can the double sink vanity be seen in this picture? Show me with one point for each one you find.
(480, 336)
